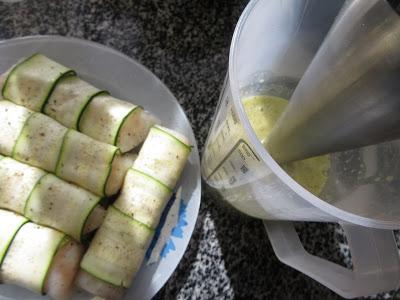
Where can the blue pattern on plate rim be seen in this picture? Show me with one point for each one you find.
(176, 232)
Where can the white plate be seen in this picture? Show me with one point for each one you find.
(127, 79)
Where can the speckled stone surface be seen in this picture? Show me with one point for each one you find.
(186, 44)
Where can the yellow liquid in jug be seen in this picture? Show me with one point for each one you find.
(263, 112)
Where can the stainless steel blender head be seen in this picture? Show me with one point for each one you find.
(350, 94)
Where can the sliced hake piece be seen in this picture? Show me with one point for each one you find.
(115, 122)
(61, 205)
(118, 249)
(10, 223)
(12, 119)
(163, 155)
(69, 99)
(64, 267)
(31, 82)
(86, 162)
(143, 198)
(40, 142)
(95, 219)
(98, 287)
(17, 181)
(120, 165)
(30, 255)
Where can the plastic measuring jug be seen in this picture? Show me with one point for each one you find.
(273, 44)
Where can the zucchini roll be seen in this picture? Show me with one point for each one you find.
(30, 82)
(119, 246)
(44, 85)
(35, 257)
(48, 200)
(40, 141)
(116, 122)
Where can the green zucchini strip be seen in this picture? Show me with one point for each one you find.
(12, 120)
(115, 122)
(118, 249)
(10, 223)
(163, 155)
(40, 141)
(30, 255)
(17, 181)
(69, 99)
(60, 205)
(143, 198)
(86, 162)
(31, 82)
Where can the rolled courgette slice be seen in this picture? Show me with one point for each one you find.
(43, 142)
(44, 85)
(143, 198)
(10, 223)
(118, 249)
(86, 162)
(69, 99)
(119, 246)
(48, 200)
(17, 180)
(115, 122)
(31, 82)
(30, 255)
(60, 205)
(12, 120)
(163, 155)
(40, 142)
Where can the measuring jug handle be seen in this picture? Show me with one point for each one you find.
(375, 257)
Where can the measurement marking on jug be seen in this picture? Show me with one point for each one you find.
(232, 165)
(247, 151)
(242, 151)
(234, 117)
(225, 170)
(241, 154)
(228, 127)
(218, 144)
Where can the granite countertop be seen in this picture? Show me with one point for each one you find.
(186, 44)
